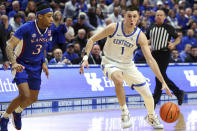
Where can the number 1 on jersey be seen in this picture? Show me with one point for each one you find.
(122, 50)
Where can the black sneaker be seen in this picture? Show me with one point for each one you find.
(4, 124)
(181, 97)
(16, 120)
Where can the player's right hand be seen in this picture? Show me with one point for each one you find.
(18, 67)
(168, 92)
(84, 64)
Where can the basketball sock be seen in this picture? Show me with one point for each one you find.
(124, 109)
(144, 91)
(5, 115)
(18, 109)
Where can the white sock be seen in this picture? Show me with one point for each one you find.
(124, 109)
(5, 115)
(18, 109)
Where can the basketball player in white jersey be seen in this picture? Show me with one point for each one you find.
(117, 64)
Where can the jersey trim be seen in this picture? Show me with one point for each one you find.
(115, 31)
(129, 34)
(138, 36)
(38, 30)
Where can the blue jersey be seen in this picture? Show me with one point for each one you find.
(33, 42)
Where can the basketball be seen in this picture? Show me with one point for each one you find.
(169, 112)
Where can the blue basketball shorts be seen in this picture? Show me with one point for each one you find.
(30, 75)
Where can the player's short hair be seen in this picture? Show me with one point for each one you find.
(42, 7)
(132, 8)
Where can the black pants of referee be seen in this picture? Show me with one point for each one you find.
(163, 58)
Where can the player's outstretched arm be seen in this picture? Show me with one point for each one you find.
(12, 43)
(151, 61)
(109, 30)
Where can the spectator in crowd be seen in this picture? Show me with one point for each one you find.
(77, 48)
(82, 6)
(188, 12)
(31, 16)
(8, 27)
(193, 55)
(159, 6)
(17, 22)
(59, 31)
(181, 45)
(189, 38)
(2, 9)
(185, 53)
(80, 24)
(79, 59)
(100, 17)
(70, 9)
(92, 17)
(3, 46)
(58, 57)
(81, 38)
(183, 22)
(175, 58)
(70, 31)
(173, 21)
(69, 53)
(123, 5)
(92, 4)
(115, 16)
(31, 7)
(116, 3)
(193, 26)
(104, 8)
(194, 16)
(148, 18)
(145, 6)
(15, 9)
(95, 57)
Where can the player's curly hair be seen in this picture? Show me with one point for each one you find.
(42, 7)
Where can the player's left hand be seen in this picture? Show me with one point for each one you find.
(171, 45)
(6, 65)
(84, 64)
(164, 86)
(45, 69)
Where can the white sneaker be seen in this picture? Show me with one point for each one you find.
(125, 121)
(154, 121)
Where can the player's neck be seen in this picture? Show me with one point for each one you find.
(128, 30)
(41, 26)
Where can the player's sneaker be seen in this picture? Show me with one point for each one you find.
(154, 121)
(125, 121)
(4, 124)
(16, 120)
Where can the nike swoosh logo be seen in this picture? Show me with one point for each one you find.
(119, 35)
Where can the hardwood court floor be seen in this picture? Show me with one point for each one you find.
(105, 120)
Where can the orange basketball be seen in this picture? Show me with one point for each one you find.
(169, 112)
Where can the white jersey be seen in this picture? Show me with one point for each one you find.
(119, 47)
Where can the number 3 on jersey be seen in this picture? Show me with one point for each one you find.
(38, 49)
(122, 50)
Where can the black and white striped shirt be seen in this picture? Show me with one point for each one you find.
(160, 36)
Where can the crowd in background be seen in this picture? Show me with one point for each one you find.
(77, 20)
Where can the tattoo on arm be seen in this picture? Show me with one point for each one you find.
(10, 54)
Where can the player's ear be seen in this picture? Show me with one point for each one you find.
(40, 16)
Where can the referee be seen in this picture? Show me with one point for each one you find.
(160, 35)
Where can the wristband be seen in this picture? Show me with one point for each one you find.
(85, 58)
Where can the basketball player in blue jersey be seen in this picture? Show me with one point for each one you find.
(28, 65)
(117, 64)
